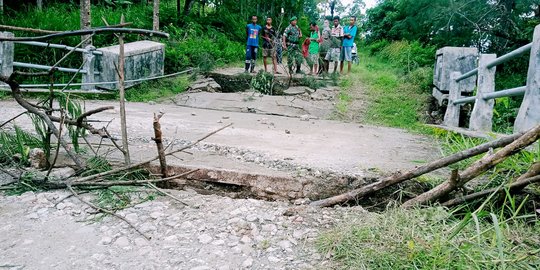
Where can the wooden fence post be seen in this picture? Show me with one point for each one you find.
(482, 114)
(6, 55)
(451, 117)
(529, 112)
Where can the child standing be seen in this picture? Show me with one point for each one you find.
(313, 58)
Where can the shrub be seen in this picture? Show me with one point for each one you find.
(409, 54)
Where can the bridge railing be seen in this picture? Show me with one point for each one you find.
(482, 114)
(87, 70)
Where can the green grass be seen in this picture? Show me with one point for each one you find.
(395, 98)
(433, 238)
(157, 90)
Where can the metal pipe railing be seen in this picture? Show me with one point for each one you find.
(500, 60)
(518, 91)
(44, 67)
(467, 75)
(57, 46)
(509, 56)
(464, 100)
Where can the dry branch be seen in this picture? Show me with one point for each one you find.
(518, 185)
(142, 163)
(476, 169)
(13, 118)
(399, 177)
(129, 183)
(103, 210)
(49, 119)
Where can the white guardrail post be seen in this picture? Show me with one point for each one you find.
(89, 65)
(482, 114)
(529, 112)
(451, 117)
(6, 55)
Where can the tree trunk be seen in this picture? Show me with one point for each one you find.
(86, 20)
(39, 4)
(1, 6)
(476, 169)
(178, 8)
(400, 177)
(156, 16)
(187, 6)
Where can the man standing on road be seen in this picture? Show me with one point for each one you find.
(335, 43)
(291, 38)
(269, 48)
(349, 33)
(252, 32)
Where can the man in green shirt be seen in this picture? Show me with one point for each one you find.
(291, 39)
(313, 58)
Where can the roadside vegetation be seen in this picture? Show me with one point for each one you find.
(498, 232)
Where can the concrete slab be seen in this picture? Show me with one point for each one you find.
(254, 102)
(319, 144)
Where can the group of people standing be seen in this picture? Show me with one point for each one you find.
(332, 44)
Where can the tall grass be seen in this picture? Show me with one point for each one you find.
(191, 44)
(433, 239)
(395, 97)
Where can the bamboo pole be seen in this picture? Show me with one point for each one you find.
(122, 92)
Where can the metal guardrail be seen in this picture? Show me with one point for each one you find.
(45, 67)
(500, 60)
(513, 92)
(57, 46)
(482, 113)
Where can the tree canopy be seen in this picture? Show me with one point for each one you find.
(493, 26)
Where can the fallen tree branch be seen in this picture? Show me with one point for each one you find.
(93, 31)
(530, 177)
(399, 177)
(516, 186)
(476, 169)
(106, 211)
(130, 183)
(142, 163)
(534, 170)
(82, 117)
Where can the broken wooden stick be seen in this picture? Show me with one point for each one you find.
(142, 163)
(476, 169)
(399, 177)
(159, 144)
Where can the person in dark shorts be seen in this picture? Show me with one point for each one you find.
(269, 48)
(252, 31)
